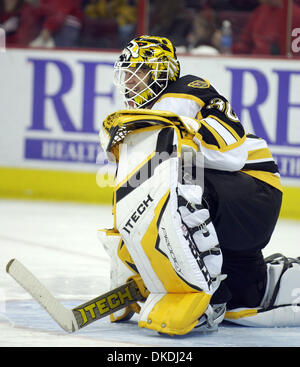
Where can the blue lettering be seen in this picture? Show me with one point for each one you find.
(40, 96)
(237, 89)
(64, 150)
(283, 105)
(90, 94)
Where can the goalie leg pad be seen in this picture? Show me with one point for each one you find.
(280, 306)
(173, 313)
(180, 268)
(122, 269)
(169, 260)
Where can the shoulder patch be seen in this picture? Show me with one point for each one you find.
(199, 83)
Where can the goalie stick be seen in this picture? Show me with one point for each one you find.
(82, 315)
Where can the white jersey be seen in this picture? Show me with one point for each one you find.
(221, 137)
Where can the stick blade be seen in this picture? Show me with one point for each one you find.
(63, 316)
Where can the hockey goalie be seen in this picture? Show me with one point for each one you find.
(160, 222)
(164, 238)
(196, 200)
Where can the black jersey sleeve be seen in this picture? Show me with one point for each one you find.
(220, 126)
(213, 104)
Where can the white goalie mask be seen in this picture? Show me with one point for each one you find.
(144, 70)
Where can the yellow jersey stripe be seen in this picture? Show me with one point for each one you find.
(217, 136)
(268, 177)
(259, 154)
(227, 126)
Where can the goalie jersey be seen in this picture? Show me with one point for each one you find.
(221, 136)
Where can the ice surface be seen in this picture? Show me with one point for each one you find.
(58, 243)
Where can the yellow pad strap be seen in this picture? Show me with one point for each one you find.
(140, 284)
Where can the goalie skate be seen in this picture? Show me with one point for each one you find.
(280, 306)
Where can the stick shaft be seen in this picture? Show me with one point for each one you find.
(82, 315)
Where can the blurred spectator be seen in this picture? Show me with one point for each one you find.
(233, 5)
(263, 33)
(18, 19)
(61, 22)
(196, 5)
(106, 14)
(201, 37)
(170, 19)
(126, 14)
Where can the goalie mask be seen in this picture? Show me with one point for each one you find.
(144, 69)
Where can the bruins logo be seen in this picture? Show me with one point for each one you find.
(199, 83)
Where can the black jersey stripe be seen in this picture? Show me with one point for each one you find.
(269, 166)
(208, 137)
(224, 126)
(218, 127)
(226, 122)
(252, 136)
(203, 95)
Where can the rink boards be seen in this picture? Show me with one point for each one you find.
(53, 102)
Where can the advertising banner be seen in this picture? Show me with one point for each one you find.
(53, 102)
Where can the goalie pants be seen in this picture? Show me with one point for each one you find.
(244, 211)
